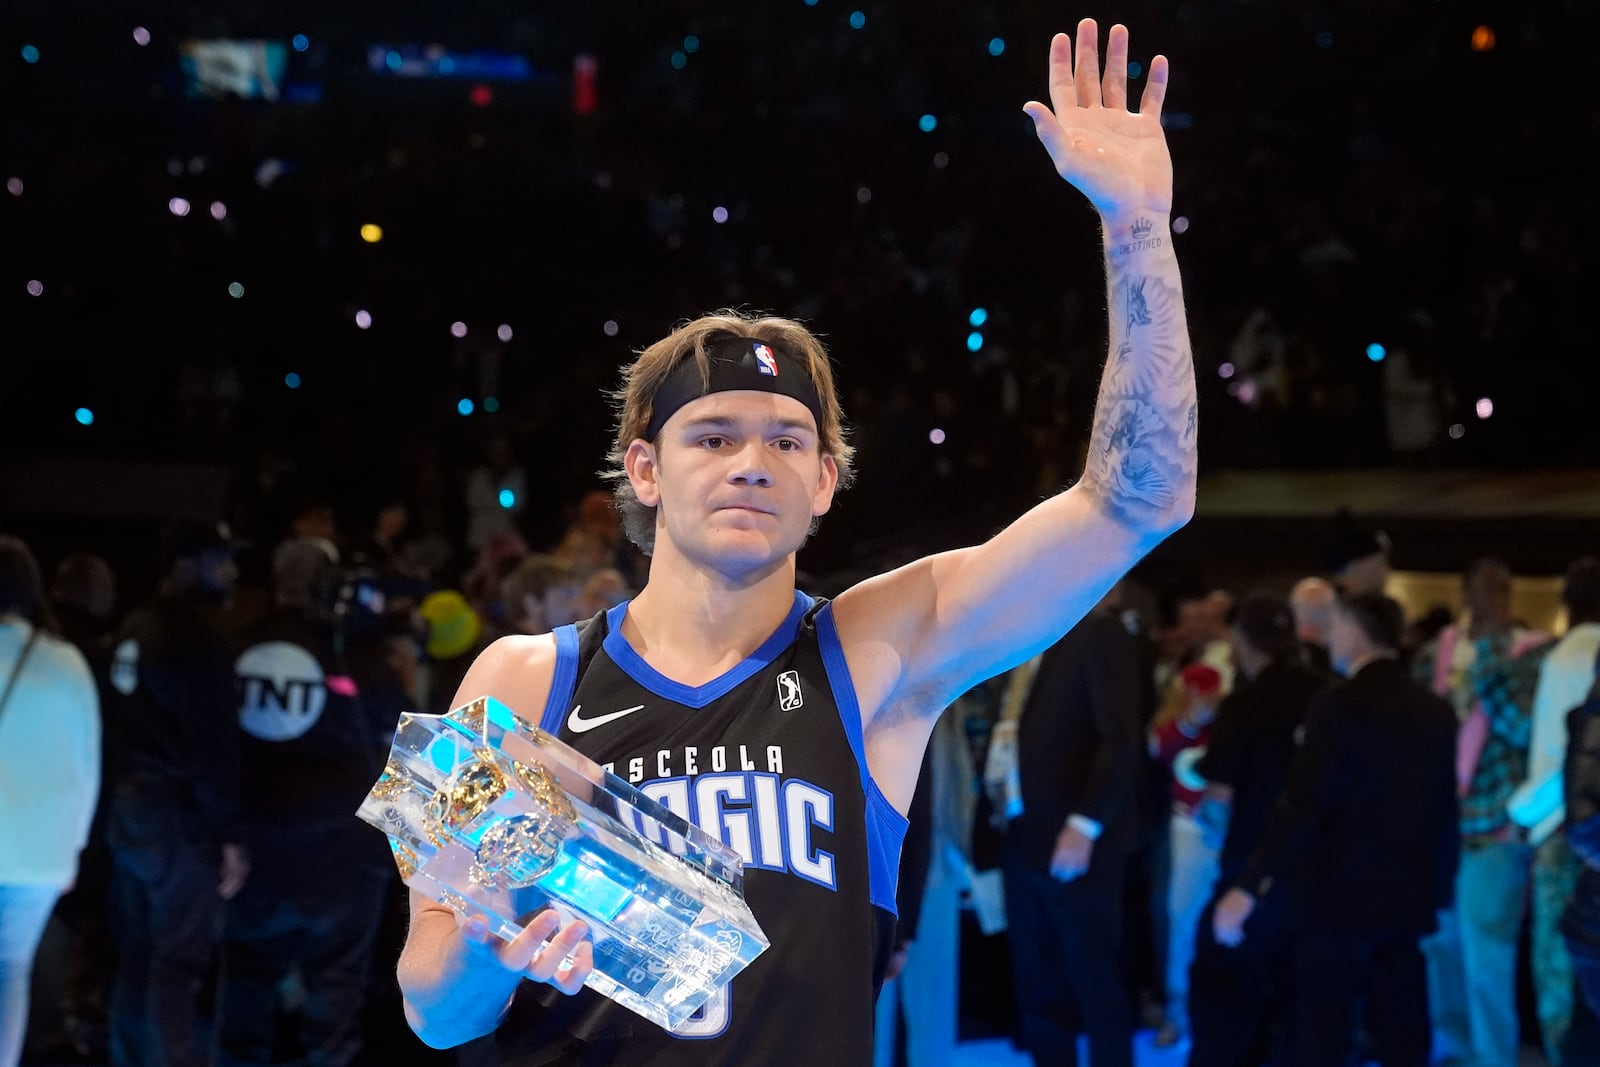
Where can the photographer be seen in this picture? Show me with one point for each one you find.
(319, 878)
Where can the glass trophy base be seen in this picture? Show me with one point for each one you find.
(490, 815)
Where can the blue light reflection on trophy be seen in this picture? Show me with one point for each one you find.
(489, 814)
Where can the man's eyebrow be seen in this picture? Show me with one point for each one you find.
(728, 422)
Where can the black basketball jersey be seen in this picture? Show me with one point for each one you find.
(770, 759)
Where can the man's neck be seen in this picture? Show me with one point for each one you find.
(693, 625)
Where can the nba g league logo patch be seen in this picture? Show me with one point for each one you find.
(789, 697)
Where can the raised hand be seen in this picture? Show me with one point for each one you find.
(1116, 157)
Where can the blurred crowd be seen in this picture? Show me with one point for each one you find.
(1220, 815)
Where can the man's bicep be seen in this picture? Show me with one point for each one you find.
(957, 618)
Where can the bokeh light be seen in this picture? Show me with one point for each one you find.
(508, 499)
(928, 123)
(974, 341)
(300, 42)
(235, 290)
(292, 380)
(858, 19)
(1225, 371)
(491, 404)
(1484, 407)
(30, 54)
(219, 210)
(997, 46)
(464, 406)
(1180, 224)
(1135, 68)
(458, 329)
(1457, 431)
(35, 287)
(1376, 352)
(84, 416)
(610, 328)
(371, 233)
(1482, 39)
(941, 160)
(679, 61)
(503, 331)
(14, 186)
(178, 206)
(691, 44)
(719, 214)
(363, 319)
(141, 36)
(936, 435)
(863, 195)
(978, 317)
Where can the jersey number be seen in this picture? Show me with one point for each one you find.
(712, 1017)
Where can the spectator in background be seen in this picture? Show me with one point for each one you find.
(455, 634)
(176, 837)
(1565, 677)
(1312, 601)
(1241, 997)
(313, 903)
(49, 777)
(1472, 960)
(1177, 740)
(1067, 839)
(1365, 837)
(542, 593)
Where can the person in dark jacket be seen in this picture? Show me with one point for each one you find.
(1365, 836)
(307, 763)
(177, 844)
(1240, 996)
(1078, 756)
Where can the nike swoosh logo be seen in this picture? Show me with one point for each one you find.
(578, 724)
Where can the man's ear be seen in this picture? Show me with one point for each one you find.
(643, 470)
(822, 499)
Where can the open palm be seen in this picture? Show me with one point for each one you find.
(1116, 157)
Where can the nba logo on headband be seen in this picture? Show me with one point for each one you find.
(764, 356)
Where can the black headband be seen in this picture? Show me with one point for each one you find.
(735, 363)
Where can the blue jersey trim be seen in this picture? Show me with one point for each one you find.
(698, 696)
(564, 680)
(886, 827)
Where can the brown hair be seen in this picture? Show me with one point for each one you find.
(692, 340)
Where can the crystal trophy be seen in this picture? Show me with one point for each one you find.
(491, 815)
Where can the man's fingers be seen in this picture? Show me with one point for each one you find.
(1155, 88)
(1087, 74)
(1114, 86)
(542, 968)
(1063, 94)
(571, 979)
(524, 948)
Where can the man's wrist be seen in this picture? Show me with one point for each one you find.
(1137, 229)
(1086, 826)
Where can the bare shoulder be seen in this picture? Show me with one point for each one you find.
(515, 670)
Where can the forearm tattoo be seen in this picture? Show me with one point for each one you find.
(1142, 459)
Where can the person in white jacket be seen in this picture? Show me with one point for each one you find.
(1565, 677)
(49, 777)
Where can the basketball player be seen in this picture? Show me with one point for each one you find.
(794, 728)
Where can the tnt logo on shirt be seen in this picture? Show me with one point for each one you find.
(767, 361)
(282, 691)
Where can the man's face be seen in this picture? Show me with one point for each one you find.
(736, 479)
